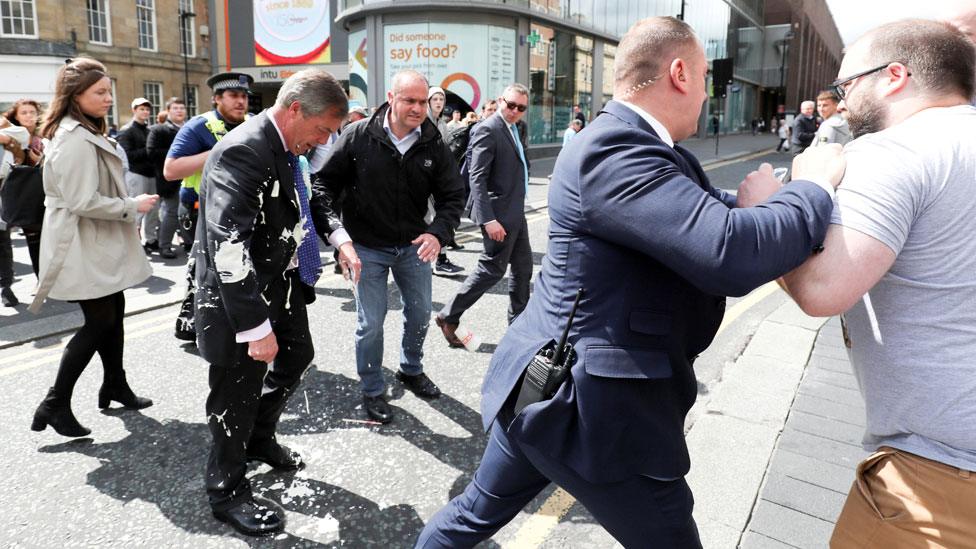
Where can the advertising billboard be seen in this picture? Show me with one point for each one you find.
(475, 62)
(291, 32)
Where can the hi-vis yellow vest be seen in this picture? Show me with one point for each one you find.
(218, 130)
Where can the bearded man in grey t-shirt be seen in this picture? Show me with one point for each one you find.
(899, 262)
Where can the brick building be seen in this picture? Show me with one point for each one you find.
(141, 42)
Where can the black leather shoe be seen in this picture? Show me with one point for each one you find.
(167, 253)
(276, 455)
(420, 384)
(447, 266)
(455, 246)
(8, 297)
(377, 408)
(150, 247)
(254, 517)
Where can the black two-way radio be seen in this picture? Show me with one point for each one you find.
(549, 367)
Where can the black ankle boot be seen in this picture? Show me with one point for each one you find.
(119, 391)
(57, 413)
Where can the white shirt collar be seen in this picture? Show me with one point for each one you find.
(658, 128)
(277, 129)
(389, 130)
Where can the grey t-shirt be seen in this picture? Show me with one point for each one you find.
(913, 335)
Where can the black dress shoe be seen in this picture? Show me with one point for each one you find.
(150, 247)
(455, 246)
(420, 384)
(254, 517)
(377, 408)
(276, 455)
(167, 253)
(8, 297)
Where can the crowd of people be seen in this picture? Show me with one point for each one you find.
(875, 231)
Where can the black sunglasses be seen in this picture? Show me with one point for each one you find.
(514, 106)
(839, 85)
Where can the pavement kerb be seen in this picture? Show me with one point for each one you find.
(733, 439)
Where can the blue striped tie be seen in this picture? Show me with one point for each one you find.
(309, 262)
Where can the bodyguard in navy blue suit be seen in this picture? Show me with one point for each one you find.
(636, 224)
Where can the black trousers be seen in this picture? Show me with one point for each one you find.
(515, 251)
(244, 404)
(6, 260)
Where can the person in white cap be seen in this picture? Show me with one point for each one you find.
(140, 178)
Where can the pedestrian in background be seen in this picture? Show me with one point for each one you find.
(161, 137)
(185, 160)
(783, 132)
(804, 127)
(141, 177)
(24, 116)
(435, 101)
(897, 265)
(499, 179)
(574, 127)
(370, 201)
(90, 249)
(834, 128)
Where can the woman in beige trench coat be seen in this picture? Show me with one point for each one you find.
(90, 249)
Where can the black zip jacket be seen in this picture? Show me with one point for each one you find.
(133, 138)
(380, 196)
(161, 137)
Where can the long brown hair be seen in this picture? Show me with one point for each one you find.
(74, 77)
(11, 113)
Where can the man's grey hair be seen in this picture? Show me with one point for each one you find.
(646, 50)
(316, 92)
(517, 88)
(404, 77)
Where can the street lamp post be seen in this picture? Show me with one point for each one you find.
(782, 65)
(184, 46)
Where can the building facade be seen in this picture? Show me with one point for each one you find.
(563, 50)
(148, 47)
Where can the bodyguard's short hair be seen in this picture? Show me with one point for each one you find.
(316, 91)
(940, 58)
(647, 49)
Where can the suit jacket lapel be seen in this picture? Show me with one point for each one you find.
(286, 179)
(502, 126)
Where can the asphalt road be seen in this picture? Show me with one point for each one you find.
(137, 480)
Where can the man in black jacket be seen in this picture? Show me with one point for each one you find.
(257, 260)
(141, 177)
(804, 127)
(160, 138)
(384, 169)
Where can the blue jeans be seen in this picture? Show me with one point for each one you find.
(413, 277)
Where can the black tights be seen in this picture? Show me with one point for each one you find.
(102, 333)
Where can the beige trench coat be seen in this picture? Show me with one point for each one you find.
(89, 246)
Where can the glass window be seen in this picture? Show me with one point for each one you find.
(146, 17)
(188, 44)
(17, 19)
(554, 73)
(99, 22)
(190, 98)
(113, 113)
(609, 54)
(153, 91)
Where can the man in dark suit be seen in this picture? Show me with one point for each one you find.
(636, 225)
(499, 178)
(257, 263)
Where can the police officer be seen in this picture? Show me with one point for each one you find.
(185, 161)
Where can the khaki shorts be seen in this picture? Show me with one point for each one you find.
(900, 500)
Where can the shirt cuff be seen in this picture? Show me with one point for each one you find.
(824, 185)
(339, 237)
(254, 334)
(487, 222)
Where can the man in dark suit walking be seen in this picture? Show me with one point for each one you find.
(499, 177)
(257, 263)
(636, 225)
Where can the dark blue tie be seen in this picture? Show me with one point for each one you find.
(309, 262)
